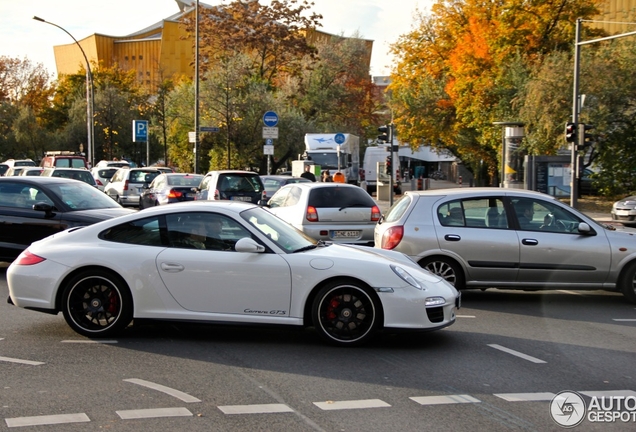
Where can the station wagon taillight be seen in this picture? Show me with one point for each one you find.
(312, 214)
(174, 194)
(392, 237)
(375, 214)
(217, 194)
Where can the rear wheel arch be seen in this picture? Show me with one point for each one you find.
(60, 291)
(626, 282)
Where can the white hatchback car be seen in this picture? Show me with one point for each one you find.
(335, 212)
(127, 184)
(224, 262)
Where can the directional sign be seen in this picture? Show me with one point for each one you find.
(339, 138)
(270, 132)
(208, 129)
(268, 150)
(140, 130)
(270, 119)
(269, 141)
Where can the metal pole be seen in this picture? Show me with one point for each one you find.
(196, 89)
(89, 94)
(392, 170)
(574, 175)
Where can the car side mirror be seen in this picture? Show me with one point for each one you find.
(584, 228)
(247, 244)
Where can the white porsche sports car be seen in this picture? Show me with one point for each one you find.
(224, 262)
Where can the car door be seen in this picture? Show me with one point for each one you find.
(552, 251)
(20, 225)
(224, 282)
(469, 230)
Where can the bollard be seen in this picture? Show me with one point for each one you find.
(427, 184)
(460, 181)
(419, 184)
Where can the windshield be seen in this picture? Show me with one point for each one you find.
(325, 160)
(280, 232)
(81, 196)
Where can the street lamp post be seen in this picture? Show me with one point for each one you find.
(505, 124)
(89, 94)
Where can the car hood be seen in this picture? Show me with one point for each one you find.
(98, 214)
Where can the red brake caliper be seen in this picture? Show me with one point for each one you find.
(333, 304)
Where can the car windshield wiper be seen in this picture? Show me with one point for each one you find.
(320, 243)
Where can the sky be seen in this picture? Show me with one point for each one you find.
(23, 37)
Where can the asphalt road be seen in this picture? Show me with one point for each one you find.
(496, 369)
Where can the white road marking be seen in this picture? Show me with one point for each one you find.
(443, 400)
(351, 404)
(47, 420)
(465, 316)
(154, 413)
(607, 393)
(167, 390)
(525, 397)
(624, 320)
(89, 341)
(27, 362)
(255, 409)
(516, 353)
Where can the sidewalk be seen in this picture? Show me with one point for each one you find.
(445, 184)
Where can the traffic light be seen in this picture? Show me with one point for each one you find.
(388, 164)
(570, 132)
(584, 139)
(385, 133)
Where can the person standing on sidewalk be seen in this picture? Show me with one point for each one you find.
(308, 174)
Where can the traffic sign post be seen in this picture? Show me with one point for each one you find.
(270, 133)
(140, 134)
(270, 119)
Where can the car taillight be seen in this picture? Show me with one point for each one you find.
(375, 214)
(174, 194)
(217, 195)
(126, 185)
(392, 237)
(27, 258)
(99, 183)
(312, 214)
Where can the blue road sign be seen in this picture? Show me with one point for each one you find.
(209, 129)
(339, 138)
(270, 119)
(140, 130)
(269, 141)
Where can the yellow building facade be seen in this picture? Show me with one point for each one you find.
(161, 51)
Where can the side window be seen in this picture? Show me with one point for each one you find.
(539, 215)
(205, 183)
(485, 213)
(451, 214)
(145, 231)
(293, 197)
(278, 200)
(205, 231)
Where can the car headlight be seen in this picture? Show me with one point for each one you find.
(405, 276)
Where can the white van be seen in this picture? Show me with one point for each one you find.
(372, 156)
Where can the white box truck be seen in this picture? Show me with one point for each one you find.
(322, 150)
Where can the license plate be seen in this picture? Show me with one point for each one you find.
(345, 234)
(240, 198)
(622, 212)
(189, 195)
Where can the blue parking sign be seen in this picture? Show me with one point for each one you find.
(140, 130)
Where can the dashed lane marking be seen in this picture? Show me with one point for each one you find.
(47, 420)
(26, 362)
(167, 390)
(516, 353)
(351, 404)
(255, 409)
(443, 400)
(525, 397)
(154, 413)
(465, 316)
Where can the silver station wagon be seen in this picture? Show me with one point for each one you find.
(509, 239)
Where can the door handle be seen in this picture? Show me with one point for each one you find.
(530, 242)
(452, 237)
(171, 268)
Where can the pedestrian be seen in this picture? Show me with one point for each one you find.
(326, 177)
(308, 174)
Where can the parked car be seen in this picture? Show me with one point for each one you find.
(127, 184)
(624, 211)
(63, 159)
(112, 164)
(169, 188)
(230, 185)
(102, 175)
(71, 173)
(36, 207)
(335, 212)
(4, 168)
(272, 183)
(138, 267)
(20, 162)
(31, 171)
(509, 239)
